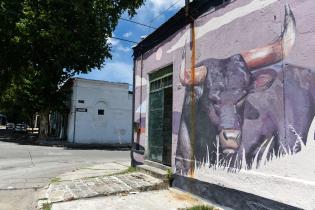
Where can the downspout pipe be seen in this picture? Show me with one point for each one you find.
(193, 98)
(133, 111)
(75, 110)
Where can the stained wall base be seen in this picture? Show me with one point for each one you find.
(227, 197)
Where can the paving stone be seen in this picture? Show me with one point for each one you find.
(106, 185)
(139, 181)
(111, 185)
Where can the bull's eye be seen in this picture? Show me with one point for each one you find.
(214, 102)
(240, 102)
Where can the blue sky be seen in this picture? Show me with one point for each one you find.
(119, 69)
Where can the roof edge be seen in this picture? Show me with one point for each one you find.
(175, 23)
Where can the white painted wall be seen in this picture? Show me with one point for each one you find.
(114, 127)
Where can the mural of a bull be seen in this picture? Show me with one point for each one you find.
(217, 103)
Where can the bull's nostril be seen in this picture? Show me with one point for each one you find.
(225, 136)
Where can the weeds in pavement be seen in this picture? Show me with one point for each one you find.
(130, 169)
(55, 180)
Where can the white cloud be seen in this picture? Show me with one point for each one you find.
(117, 45)
(122, 48)
(113, 41)
(159, 5)
(113, 72)
(127, 35)
(153, 8)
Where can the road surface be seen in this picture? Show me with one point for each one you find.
(25, 168)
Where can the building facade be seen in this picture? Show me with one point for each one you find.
(100, 112)
(225, 95)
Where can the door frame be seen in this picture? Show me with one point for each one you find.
(170, 66)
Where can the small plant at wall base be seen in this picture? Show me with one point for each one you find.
(46, 206)
(200, 207)
(131, 169)
(170, 176)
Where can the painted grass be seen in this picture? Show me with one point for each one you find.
(277, 162)
(282, 175)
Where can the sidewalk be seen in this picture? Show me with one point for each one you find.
(112, 186)
(171, 199)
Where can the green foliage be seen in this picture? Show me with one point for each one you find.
(170, 176)
(131, 169)
(46, 206)
(55, 180)
(45, 42)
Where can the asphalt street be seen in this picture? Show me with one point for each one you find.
(25, 168)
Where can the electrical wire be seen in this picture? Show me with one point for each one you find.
(138, 23)
(125, 40)
(145, 25)
(162, 12)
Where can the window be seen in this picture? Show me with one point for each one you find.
(81, 101)
(101, 112)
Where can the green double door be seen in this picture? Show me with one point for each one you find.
(160, 116)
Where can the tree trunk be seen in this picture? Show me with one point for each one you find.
(43, 124)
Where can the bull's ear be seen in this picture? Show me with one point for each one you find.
(250, 112)
(263, 79)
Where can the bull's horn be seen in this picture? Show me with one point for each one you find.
(275, 52)
(186, 76)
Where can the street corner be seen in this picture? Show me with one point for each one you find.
(114, 179)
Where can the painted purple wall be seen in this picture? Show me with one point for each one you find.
(252, 123)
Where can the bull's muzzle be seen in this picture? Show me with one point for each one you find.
(229, 140)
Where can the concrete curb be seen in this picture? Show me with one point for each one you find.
(85, 146)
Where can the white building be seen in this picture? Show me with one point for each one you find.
(100, 112)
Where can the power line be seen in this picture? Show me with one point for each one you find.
(142, 24)
(135, 22)
(162, 12)
(126, 40)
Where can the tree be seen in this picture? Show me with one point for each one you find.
(46, 42)
(17, 101)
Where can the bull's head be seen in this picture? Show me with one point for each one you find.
(227, 82)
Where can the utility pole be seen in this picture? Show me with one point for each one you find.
(193, 97)
(186, 8)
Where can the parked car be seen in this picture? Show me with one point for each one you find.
(21, 127)
(10, 126)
